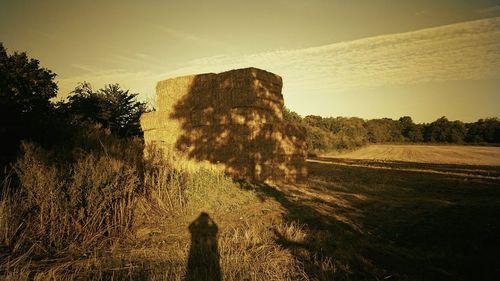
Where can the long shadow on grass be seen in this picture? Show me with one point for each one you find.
(366, 223)
(203, 261)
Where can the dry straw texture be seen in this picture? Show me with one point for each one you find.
(234, 118)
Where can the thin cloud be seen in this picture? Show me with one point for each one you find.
(46, 35)
(421, 13)
(188, 37)
(86, 68)
(177, 33)
(464, 51)
(458, 52)
(489, 10)
(138, 82)
(131, 58)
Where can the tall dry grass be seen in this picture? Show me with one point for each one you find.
(72, 212)
(174, 185)
(52, 210)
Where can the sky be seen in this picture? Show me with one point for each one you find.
(370, 59)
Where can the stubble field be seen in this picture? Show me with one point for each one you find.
(380, 213)
(372, 219)
(433, 154)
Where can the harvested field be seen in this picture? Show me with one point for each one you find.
(352, 219)
(359, 219)
(437, 154)
(394, 220)
(379, 220)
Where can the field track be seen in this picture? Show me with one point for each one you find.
(436, 154)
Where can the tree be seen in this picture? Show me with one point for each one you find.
(291, 116)
(484, 130)
(121, 110)
(25, 87)
(457, 132)
(409, 130)
(25, 106)
(83, 105)
(443, 130)
(112, 107)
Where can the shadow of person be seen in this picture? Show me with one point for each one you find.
(203, 261)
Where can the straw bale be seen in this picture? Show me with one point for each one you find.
(170, 91)
(203, 117)
(236, 97)
(149, 121)
(158, 120)
(252, 73)
(164, 135)
(253, 116)
(234, 118)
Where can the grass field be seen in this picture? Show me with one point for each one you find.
(435, 154)
(418, 220)
(359, 219)
(353, 219)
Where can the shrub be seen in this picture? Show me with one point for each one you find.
(74, 208)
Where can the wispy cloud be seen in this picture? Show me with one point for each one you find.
(464, 51)
(458, 52)
(140, 82)
(177, 33)
(489, 10)
(134, 59)
(421, 13)
(189, 37)
(47, 35)
(85, 68)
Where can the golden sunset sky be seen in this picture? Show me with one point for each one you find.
(371, 59)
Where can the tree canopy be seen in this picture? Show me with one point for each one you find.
(343, 133)
(27, 111)
(25, 92)
(112, 107)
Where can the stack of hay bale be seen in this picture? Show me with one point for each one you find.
(234, 118)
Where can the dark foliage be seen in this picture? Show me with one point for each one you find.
(112, 107)
(484, 130)
(26, 111)
(341, 133)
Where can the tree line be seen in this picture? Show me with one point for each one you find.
(346, 133)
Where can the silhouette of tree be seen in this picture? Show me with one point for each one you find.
(410, 131)
(339, 133)
(25, 93)
(443, 130)
(113, 107)
(291, 117)
(484, 130)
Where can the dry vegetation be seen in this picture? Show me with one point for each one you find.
(353, 219)
(436, 154)
(101, 212)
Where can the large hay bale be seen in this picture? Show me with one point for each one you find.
(234, 118)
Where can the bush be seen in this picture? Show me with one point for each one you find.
(114, 108)
(74, 208)
(25, 108)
